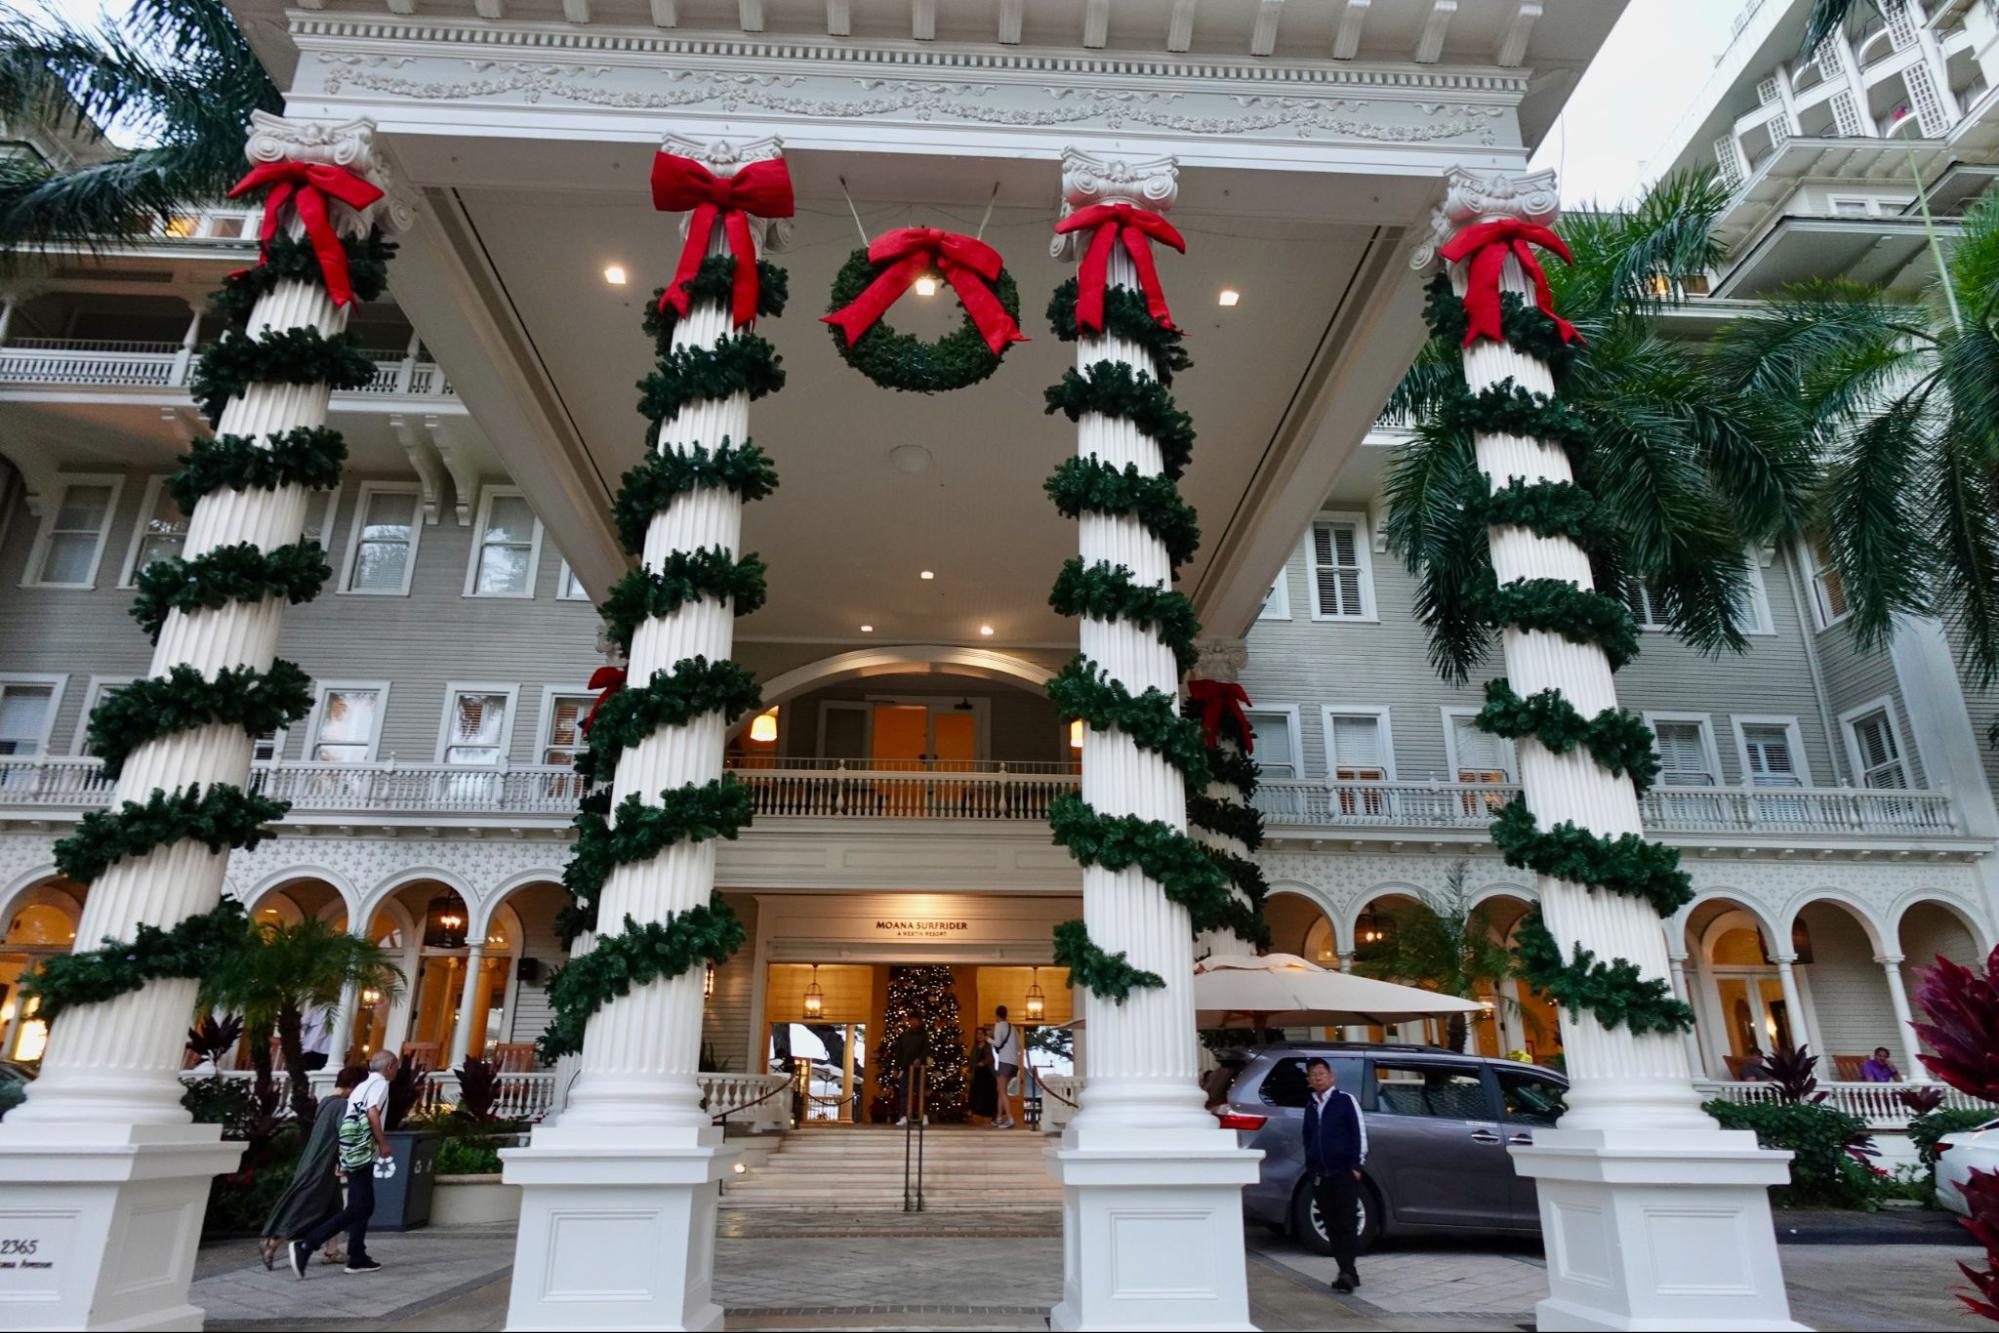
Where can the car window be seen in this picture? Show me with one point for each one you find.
(1285, 1084)
(1533, 1098)
(1449, 1092)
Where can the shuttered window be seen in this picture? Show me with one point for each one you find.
(1771, 762)
(477, 723)
(565, 729)
(1879, 752)
(1357, 751)
(1340, 573)
(1829, 604)
(349, 721)
(1481, 756)
(24, 717)
(1276, 752)
(1683, 755)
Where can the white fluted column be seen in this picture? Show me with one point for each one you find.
(1794, 1005)
(1913, 1067)
(1684, 995)
(468, 1006)
(1634, 1159)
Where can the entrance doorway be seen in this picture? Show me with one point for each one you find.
(828, 1064)
(907, 733)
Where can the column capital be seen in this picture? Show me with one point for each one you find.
(1219, 659)
(1889, 959)
(1472, 197)
(725, 157)
(1149, 183)
(349, 145)
(1784, 961)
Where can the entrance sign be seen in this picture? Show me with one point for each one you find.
(920, 928)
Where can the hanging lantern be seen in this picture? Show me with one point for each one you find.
(763, 730)
(1037, 1003)
(1372, 930)
(815, 999)
(708, 983)
(444, 923)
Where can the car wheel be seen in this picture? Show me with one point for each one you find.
(1308, 1226)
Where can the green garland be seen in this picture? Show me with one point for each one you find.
(1506, 408)
(652, 485)
(672, 698)
(1527, 330)
(184, 951)
(309, 456)
(1114, 389)
(716, 281)
(294, 257)
(1226, 818)
(1627, 865)
(637, 956)
(183, 700)
(1615, 993)
(1618, 740)
(1126, 317)
(1234, 767)
(1111, 592)
(220, 816)
(687, 576)
(226, 574)
(1108, 976)
(1152, 720)
(1090, 485)
(695, 812)
(1244, 873)
(742, 362)
(1179, 865)
(301, 355)
(1557, 606)
(904, 361)
(1552, 509)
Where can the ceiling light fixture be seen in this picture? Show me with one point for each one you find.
(1229, 296)
(867, 629)
(926, 286)
(986, 631)
(926, 574)
(614, 274)
(764, 728)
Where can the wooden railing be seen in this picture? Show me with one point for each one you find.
(1876, 1103)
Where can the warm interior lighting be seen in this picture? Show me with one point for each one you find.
(371, 997)
(1076, 734)
(708, 983)
(815, 999)
(614, 274)
(1037, 1003)
(764, 728)
(444, 923)
(986, 631)
(1228, 297)
(926, 286)
(867, 629)
(926, 574)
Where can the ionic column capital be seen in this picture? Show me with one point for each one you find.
(725, 157)
(1471, 198)
(1087, 180)
(1220, 659)
(349, 145)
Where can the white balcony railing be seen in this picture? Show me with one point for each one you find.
(756, 1100)
(839, 789)
(523, 1095)
(1315, 803)
(1875, 1103)
(102, 363)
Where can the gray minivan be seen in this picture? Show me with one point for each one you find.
(1438, 1126)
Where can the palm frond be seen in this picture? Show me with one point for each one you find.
(1974, 260)
(1430, 530)
(1872, 520)
(128, 196)
(1640, 259)
(1437, 371)
(1828, 17)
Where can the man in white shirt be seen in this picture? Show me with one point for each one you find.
(315, 1036)
(363, 1146)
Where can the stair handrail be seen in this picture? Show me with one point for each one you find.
(723, 1119)
(916, 1114)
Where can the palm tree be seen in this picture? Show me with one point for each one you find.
(176, 74)
(1451, 947)
(1829, 16)
(1687, 479)
(1900, 395)
(281, 972)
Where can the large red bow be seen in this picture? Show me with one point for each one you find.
(1488, 244)
(1137, 228)
(758, 189)
(1219, 698)
(608, 680)
(306, 187)
(971, 265)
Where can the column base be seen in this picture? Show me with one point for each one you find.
(101, 1222)
(617, 1229)
(1651, 1230)
(1152, 1230)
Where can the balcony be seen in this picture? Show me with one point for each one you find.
(101, 363)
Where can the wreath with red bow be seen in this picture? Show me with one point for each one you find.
(874, 279)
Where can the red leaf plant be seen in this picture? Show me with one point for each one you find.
(1962, 1007)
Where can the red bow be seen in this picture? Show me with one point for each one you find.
(1218, 698)
(759, 189)
(1137, 228)
(970, 264)
(609, 680)
(306, 186)
(1488, 244)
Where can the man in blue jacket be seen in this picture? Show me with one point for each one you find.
(1335, 1149)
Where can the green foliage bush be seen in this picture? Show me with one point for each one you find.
(1823, 1172)
(12, 1094)
(469, 1156)
(1925, 1130)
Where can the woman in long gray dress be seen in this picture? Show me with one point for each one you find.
(314, 1194)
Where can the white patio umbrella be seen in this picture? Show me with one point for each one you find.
(1281, 990)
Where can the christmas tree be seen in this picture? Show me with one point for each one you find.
(922, 998)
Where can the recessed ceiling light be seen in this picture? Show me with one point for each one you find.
(614, 274)
(909, 459)
(926, 574)
(1229, 296)
(867, 629)
(926, 286)
(986, 630)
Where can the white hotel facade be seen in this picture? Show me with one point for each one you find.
(1835, 808)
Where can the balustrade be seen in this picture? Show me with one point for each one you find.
(1879, 1104)
(114, 363)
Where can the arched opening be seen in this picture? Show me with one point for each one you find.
(40, 922)
(1848, 1010)
(523, 932)
(1930, 929)
(1522, 1021)
(431, 928)
(1737, 995)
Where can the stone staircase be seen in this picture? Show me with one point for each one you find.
(858, 1168)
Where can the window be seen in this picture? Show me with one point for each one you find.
(268, 746)
(348, 725)
(570, 589)
(1476, 756)
(1447, 1092)
(381, 549)
(159, 534)
(1686, 757)
(1358, 749)
(1752, 612)
(509, 547)
(319, 525)
(72, 538)
(1276, 752)
(27, 712)
(1852, 208)
(1644, 605)
(1876, 747)
(1342, 582)
(477, 729)
(562, 735)
(1829, 605)
(1772, 755)
(1531, 1098)
(1286, 1085)
(1277, 602)
(92, 696)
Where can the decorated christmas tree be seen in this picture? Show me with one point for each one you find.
(923, 998)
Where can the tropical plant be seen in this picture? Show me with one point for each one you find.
(1452, 947)
(281, 972)
(1962, 1009)
(478, 1091)
(178, 75)
(1827, 16)
(1794, 1074)
(1921, 1099)
(1687, 479)
(212, 1038)
(1829, 1149)
(405, 1091)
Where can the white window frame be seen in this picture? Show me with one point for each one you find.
(1296, 758)
(370, 489)
(487, 494)
(31, 576)
(57, 683)
(1794, 736)
(545, 722)
(1363, 561)
(327, 519)
(562, 594)
(1822, 616)
(92, 693)
(454, 688)
(1277, 603)
(1705, 721)
(278, 743)
(1327, 712)
(130, 572)
(1884, 705)
(326, 687)
(1451, 713)
(1646, 616)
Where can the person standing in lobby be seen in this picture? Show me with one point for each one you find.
(1335, 1150)
(1006, 1064)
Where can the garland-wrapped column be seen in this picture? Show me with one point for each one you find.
(1656, 1217)
(634, 1137)
(1222, 817)
(1142, 1156)
(102, 1156)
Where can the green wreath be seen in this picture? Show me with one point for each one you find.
(904, 361)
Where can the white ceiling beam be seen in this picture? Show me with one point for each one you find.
(839, 18)
(923, 20)
(1430, 46)
(488, 9)
(1180, 28)
(1096, 24)
(1010, 15)
(576, 11)
(750, 13)
(666, 13)
(1346, 33)
(1513, 42)
(1263, 37)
